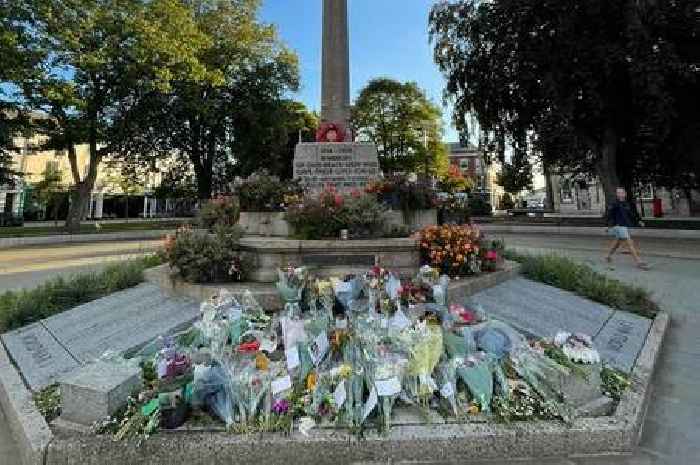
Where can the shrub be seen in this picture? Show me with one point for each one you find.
(507, 202)
(219, 211)
(206, 258)
(20, 308)
(407, 193)
(580, 279)
(454, 250)
(262, 192)
(325, 215)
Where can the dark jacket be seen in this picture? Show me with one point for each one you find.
(623, 214)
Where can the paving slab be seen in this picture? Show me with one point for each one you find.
(121, 321)
(41, 358)
(542, 310)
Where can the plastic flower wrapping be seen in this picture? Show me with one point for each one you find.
(344, 352)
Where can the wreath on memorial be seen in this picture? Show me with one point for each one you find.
(330, 132)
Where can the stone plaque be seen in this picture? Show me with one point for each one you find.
(38, 355)
(621, 340)
(365, 261)
(346, 166)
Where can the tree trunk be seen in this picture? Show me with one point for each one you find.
(79, 200)
(549, 199)
(607, 165)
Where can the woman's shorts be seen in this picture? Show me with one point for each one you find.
(620, 233)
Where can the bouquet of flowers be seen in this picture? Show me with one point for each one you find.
(291, 285)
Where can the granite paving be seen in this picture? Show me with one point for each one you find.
(120, 322)
(542, 311)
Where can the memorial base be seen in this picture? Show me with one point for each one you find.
(346, 166)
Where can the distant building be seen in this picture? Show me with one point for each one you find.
(112, 196)
(580, 195)
(470, 161)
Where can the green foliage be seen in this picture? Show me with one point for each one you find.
(200, 257)
(594, 87)
(220, 211)
(516, 176)
(479, 207)
(263, 192)
(48, 402)
(20, 308)
(557, 354)
(614, 382)
(404, 124)
(580, 279)
(325, 216)
(507, 202)
(223, 130)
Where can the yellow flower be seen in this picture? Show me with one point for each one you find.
(311, 381)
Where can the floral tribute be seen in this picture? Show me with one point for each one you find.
(454, 250)
(348, 352)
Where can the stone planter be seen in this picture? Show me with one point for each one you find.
(328, 257)
(414, 220)
(268, 224)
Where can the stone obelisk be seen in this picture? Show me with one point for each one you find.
(335, 99)
(335, 161)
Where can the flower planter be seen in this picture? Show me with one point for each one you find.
(419, 219)
(268, 224)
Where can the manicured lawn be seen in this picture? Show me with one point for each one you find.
(105, 228)
(20, 308)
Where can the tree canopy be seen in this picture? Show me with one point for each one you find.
(230, 127)
(594, 87)
(403, 123)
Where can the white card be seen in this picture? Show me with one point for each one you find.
(370, 404)
(341, 323)
(319, 348)
(268, 345)
(292, 358)
(340, 395)
(281, 384)
(428, 380)
(342, 286)
(399, 321)
(162, 368)
(384, 323)
(388, 387)
(447, 390)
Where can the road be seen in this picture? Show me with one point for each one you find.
(30, 266)
(672, 429)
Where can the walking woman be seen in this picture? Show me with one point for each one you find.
(621, 216)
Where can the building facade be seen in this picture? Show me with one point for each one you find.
(471, 163)
(112, 196)
(579, 195)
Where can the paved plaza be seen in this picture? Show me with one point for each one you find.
(672, 430)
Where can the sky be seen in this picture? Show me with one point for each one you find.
(388, 38)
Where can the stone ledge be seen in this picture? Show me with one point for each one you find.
(28, 427)
(295, 245)
(268, 296)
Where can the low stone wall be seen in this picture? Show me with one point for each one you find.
(415, 220)
(266, 293)
(268, 224)
(328, 257)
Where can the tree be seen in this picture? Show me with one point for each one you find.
(589, 87)
(222, 130)
(19, 57)
(103, 56)
(403, 123)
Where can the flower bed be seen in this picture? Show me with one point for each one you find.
(344, 353)
(262, 192)
(459, 250)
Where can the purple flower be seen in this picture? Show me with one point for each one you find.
(280, 406)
